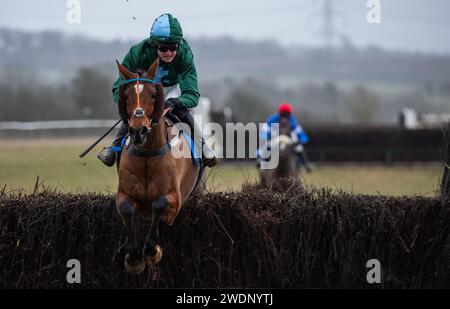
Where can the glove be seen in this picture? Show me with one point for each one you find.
(176, 108)
(172, 103)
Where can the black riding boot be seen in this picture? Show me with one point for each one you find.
(209, 158)
(109, 155)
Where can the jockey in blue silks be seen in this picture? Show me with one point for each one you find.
(297, 133)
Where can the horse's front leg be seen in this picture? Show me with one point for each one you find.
(153, 252)
(134, 259)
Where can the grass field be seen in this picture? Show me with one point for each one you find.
(57, 164)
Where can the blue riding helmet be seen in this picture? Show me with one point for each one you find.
(166, 29)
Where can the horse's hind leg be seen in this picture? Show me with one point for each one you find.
(153, 252)
(134, 260)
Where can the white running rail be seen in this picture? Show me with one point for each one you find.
(56, 124)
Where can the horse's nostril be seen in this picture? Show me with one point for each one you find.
(138, 112)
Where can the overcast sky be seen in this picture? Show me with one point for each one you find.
(416, 25)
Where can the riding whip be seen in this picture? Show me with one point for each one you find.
(97, 141)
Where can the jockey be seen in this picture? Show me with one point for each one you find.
(177, 74)
(299, 136)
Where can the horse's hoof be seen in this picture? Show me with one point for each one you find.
(137, 268)
(155, 258)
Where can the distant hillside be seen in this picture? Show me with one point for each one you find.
(57, 56)
(345, 85)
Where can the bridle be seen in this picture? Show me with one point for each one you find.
(138, 112)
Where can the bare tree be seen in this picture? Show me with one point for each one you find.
(248, 107)
(92, 94)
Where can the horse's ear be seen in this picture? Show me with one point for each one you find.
(151, 73)
(124, 71)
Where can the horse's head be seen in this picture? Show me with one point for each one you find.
(282, 142)
(141, 101)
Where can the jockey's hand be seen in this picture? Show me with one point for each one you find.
(172, 103)
(176, 108)
(298, 148)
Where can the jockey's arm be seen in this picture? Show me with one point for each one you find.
(297, 129)
(264, 138)
(188, 82)
(265, 133)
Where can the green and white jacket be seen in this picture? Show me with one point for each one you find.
(180, 71)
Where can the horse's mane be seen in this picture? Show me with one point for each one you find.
(158, 110)
(122, 103)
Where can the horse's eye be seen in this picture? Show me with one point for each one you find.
(153, 95)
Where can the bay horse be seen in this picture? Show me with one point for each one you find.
(153, 184)
(287, 165)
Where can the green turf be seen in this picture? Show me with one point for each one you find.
(58, 165)
(396, 180)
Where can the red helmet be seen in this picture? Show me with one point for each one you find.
(285, 107)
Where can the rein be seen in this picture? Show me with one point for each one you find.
(145, 153)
